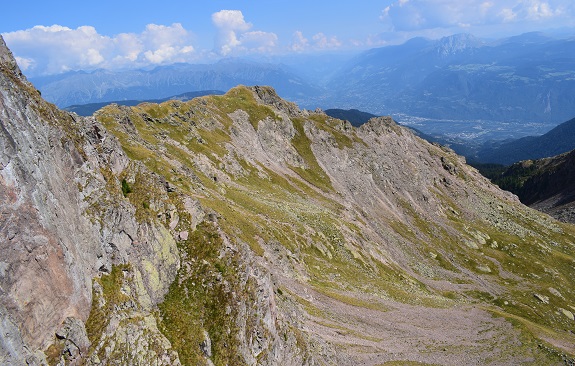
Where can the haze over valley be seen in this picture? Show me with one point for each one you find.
(461, 88)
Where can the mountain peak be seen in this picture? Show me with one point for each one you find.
(269, 96)
(457, 43)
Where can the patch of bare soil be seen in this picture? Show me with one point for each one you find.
(392, 331)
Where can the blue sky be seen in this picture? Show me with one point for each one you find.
(50, 37)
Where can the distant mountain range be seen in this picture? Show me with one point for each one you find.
(527, 78)
(355, 117)
(89, 109)
(99, 86)
(559, 140)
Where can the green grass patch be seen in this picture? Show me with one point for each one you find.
(342, 138)
(126, 188)
(104, 305)
(313, 173)
(197, 300)
(242, 98)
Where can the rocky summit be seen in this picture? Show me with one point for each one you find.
(241, 230)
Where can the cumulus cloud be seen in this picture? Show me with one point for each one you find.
(414, 15)
(230, 20)
(299, 42)
(54, 49)
(25, 63)
(259, 41)
(541, 10)
(234, 36)
(319, 41)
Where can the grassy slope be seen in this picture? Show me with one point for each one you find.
(301, 213)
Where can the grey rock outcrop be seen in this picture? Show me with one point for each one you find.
(76, 342)
(52, 194)
(45, 238)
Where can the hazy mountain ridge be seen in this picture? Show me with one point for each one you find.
(559, 140)
(239, 229)
(355, 117)
(103, 86)
(529, 78)
(86, 110)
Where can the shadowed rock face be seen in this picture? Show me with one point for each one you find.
(544, 184)
(553, 181)
(239, 229)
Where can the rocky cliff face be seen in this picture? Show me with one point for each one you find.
(63, 224)
(239, 229)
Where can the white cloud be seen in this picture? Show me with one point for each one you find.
(129, 47)
(507, 15)
(299, 42)
(415, 15)
(319, 41)
(93, 57)
(230, 19)
(259, 41)
(44, 50)
(25, 63)
(55, 49)
(233, 36)
(539, 10)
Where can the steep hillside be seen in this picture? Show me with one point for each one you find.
(79, 270)
(544, 184)
(527, 78)
(559, 140)
(239, 229)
